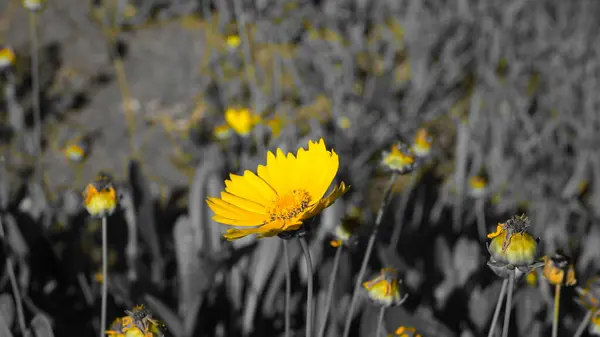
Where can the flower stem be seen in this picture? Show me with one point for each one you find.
(363, 267)
(309, 291)
(336, 263)
(380, 321)
(288, 287)
(480, 213)
(556, 308)
(15, 288)
(583, 324)
(35, 87)
(511, 285)
(498, 307)
(104, 277)
(401, 210)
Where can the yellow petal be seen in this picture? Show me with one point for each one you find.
(250, 186)
(243, 203)
(225, 210)
(337, 192)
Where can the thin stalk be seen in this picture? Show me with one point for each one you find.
(104, 276)
(380, 321)
(363, 267)
(498, 307)
(309, 291)
(15, 288)
(480, 213)
(334, 269)
(511, 285)
(584, 323)
(556, 309)
(401, 210)
(35, 87)
(288, 287)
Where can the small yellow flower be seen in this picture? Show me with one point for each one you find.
(422, 143)
(242, 121)
(531, 278)
(76, 149)
(511, 244)
(344, 122)
(139, 322)
(400, 159)
(554, 270)
(7, 57)
(276, 125)
(384, 289)
(589, 297)
(403, 331)
(33, 5)
(233, 41)
(478, 185)
(594, 328)
(286, 192)
(346, 230)
(100, 197)
(222, 132)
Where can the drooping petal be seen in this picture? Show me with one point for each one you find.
(337, 192)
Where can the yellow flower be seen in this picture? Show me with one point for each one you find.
(233, 41)
(400, 159)
(531, 278)
(242, 121)
(511, 244)
(138, 323)
(276, 124)
(344, 122)
(33, 5)
(287, 191)
(7, 57)
(589, 297)
(384, 289)
(76, 149)
(554, 270)
(594, 328)
(478, 186)
(346, 230)
(422, 143)
(222, 132)
(100, 197)
(403, 331)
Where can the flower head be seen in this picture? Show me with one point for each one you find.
(345, 232)
(233, 41)
(422, 144)
(33, 5)
(242, 121)
(477, 186)
(400, 159)
(100, 197)
(532, 278)
(7, 57)
(343, 122)
(384, 289)
(286, 191)
(589, 297)
(139, 322)
(512, 246)
(222, 132)
(594, 328)
(76, 149)
(555, 268)
(403, 331)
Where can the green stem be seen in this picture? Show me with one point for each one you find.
(288, 288)
(309, 295)
(334, 269)
(15, 287)
(363, 267)
(511, 285)
(498, 307)
(556, 309)
(104, 276)
(380, 321)
(584, 322)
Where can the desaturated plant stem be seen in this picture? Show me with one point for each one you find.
(309, 291)
(584, 323)
(509, 295)
(380, 321)
(498, 307)
(35, 86)
(104, 276)
(330, 287)
(370, 245)
(288, 287)
(15, 287)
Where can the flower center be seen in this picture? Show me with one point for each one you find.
(288, 206)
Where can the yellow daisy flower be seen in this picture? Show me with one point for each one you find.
(33, 5)
(403, 331)
(400, 159)
(242, 121)
(222, 132)
(554, 270)
(594, 328)
(589, 297)
(384, 289)
(100, 197)
(287, 191)
(7, 58)
(512, 244)
(233, 41)
(422, 143)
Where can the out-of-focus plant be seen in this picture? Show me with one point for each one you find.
(589, 298)
(558, 271)
(384, 291)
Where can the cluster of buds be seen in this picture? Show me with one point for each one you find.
(139, 322)
(384, 289)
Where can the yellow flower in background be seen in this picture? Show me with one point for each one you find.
(477, 185)
(589, 297)
(276, 124)
(233, 41)
(594, 328)
(139, 322)
(7, 57)
(511, 244)
(384, 289)
(76, 149)
(554, 270)
(242, 121)
(222, 132)
(347, 229)
(403, 331)
(33, 5)
(100, 197)
(422, 143)
(344, 122)
(531, 278)
(287, 190)
(400, 159)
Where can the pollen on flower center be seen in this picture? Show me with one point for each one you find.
(290, 205)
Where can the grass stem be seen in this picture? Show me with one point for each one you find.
(35, 88)
(363, 268)
(15, 287)
(507, 310)
(334, 269)
(380, 321)
(584, 323)
(309, 295)
(498, 307)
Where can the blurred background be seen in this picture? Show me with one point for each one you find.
(170, 96)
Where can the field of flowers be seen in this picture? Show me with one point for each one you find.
(299, 168)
